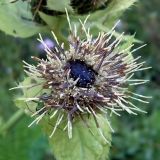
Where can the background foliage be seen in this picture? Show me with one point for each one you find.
(136, 138)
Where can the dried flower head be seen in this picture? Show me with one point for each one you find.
(83, 7)
(92, 76)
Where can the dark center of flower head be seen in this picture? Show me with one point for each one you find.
(83, 72)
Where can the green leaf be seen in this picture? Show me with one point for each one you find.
(127, 43)
(112, 13)
(84, 145)
(60, 5)
(29, 92)
(117, 5)
(16, 19)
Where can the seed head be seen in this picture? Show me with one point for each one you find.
(91, 77)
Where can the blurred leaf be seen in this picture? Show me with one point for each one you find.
(116, 5)
(17, 144)
(153, 121)
(60, 5)
(109, 16)
(83, 145)
(16, 19)
(40, 150)
(87, 146)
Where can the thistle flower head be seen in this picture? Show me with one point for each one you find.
(92, 76)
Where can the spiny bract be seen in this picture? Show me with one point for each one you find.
(92, 76)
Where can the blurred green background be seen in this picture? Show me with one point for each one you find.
(136, 137)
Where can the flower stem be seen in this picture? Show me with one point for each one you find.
(12, 121)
